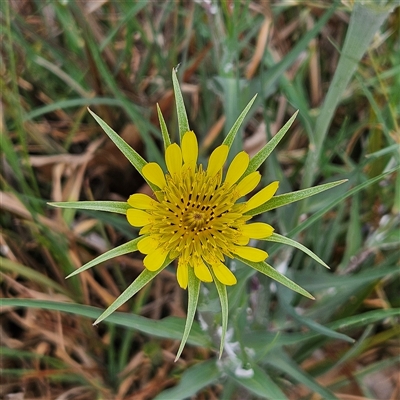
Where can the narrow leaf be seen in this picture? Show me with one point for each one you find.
(118, 207)
(125, 248)
(266, 269)
(287, 198)
(261, 156)
(169, 327)
(143, 279)
(164, 129)
(194, 378)
(183, 122)
(223, 296)
(290, 242)
(259, 383)
(194, 290)
(31, 275)
(230, 137)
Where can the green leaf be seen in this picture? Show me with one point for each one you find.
(261, 156)
(230, 137)
(143, 279)
(366, 19)
(282, 362)
(119, 207)
(194, 378)
(180, 106)
(131, 155)
(275, 237)
(266, 269)
(169, 328)
(30, 274)
(287, 198)
(260, 384)
(125, 248)
(164, 129)
(223, 296)
(193, 298)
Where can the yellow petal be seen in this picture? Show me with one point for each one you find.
(224, 274)
(141, 201)
(217, 160)
(173, 159)
(155, 260)
(262, 196)
(190, 148)
(147, 245)
(138, 218)
(182, 274)
(257, 230)
(202, 272)
(237, 168)
(153, 172)
(247, 184)
(250, 253)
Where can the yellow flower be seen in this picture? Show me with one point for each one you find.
(198, 215)
(195, 215)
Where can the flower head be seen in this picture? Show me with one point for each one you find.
(196, 216)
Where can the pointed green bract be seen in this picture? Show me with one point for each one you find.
(262, 155)
(290, 242)
(287, 198)
(143, 279)
(193, 298)
(125, 248)
(164, 129)
(223, 296)
(118, 207)
(230, 137)
(266, 269)
(183, 122)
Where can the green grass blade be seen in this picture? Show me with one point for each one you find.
(194, 379)
(183, 122)
(287, 198)
(365, 21)
(223, 296)
(143, 279)
(259, 383)
(285, 364)
(230, 137)
(261, 156)
(267, 270)
(119, 207)
(30, 274)
(275, 237)
(193, 298)
(169, 327)
(164, 129)
(125, 248)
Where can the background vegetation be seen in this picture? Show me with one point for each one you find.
(337, 62)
